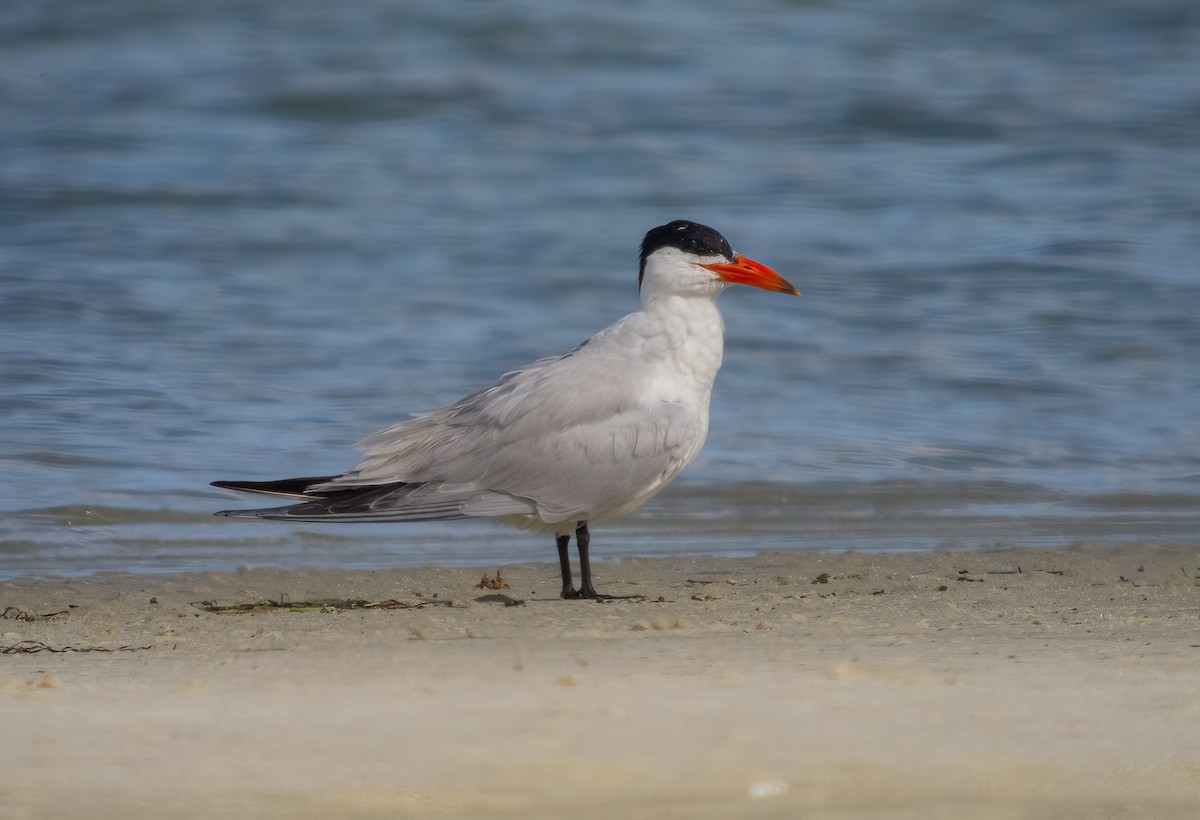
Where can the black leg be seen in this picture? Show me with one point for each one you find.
(582, 540)
(586, 590)
(564, 563)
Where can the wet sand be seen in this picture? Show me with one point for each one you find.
(1006, 684)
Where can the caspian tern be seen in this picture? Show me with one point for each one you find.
(563, 441)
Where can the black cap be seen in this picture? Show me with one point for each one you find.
(691, 237)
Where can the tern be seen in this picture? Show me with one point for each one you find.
(564, 441)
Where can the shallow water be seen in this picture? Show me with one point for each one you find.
(238, 238)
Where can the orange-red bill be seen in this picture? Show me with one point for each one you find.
(743, 271)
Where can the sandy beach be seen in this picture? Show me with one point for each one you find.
(1017, 683)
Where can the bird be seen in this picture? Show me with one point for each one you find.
(564, 441)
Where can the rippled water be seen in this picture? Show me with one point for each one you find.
(238, 237)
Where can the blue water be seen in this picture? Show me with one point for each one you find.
(237, 237)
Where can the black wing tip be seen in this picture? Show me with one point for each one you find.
(351, 504)
(264, 512)
(241, 513)
(286, 486)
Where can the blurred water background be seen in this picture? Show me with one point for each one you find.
(235, 237)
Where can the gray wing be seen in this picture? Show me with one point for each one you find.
(577, 435)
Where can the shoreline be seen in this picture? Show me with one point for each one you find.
(936, 684)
